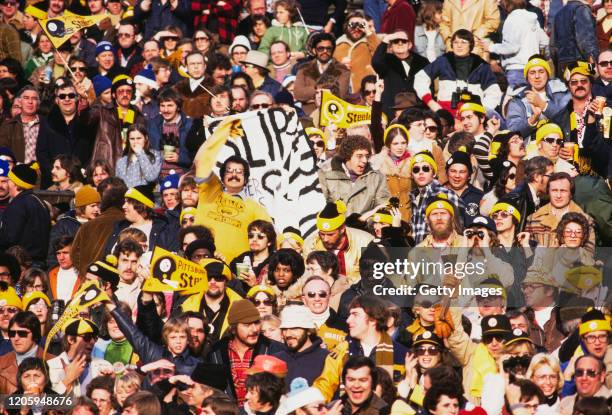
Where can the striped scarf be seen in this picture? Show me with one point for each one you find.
(383, 354)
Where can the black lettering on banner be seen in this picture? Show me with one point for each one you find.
(266, 131)
(265, 177)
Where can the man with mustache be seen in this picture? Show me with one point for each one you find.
(439, 216)
(305, 355)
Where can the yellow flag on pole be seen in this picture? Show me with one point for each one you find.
(341, 113)
(171, 272)
(59, 29)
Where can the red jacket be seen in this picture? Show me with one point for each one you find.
(399, 16)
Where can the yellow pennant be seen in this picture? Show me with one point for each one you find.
(341, 113)
(89, 294)
(171, 272)
(59, 29)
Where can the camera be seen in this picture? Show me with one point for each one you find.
(394, 202)
(517, 364)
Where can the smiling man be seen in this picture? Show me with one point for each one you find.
(316, 294)
(360, 378)
(459, 172)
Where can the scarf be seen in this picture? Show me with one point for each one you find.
(383, 352)
(341, 250)
(126, 117)
(22, 356)
(320, 319)
(398, 160)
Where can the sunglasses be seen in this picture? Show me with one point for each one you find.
(320, 294)
(324, 48)
(487, 339)
(586, 372)
(605, 63)
(367, 92)
(267, 303)
(432, 129)
(431, 351)
(202, 39)
(417, 169)
(71, 95)
(88, 337)
(8, 310)
(78, 68)
(470, 234)
(553, 140)
(18, 333)
(188, 220)
(356, 25)
(259, 236)
(10, 3)
(319, 143)
(170, 38)
(501, 214)
(399, 41)
(217, 277)
(260, 106)
(575, 82)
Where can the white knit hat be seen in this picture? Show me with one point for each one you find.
(296, 316)
(299, 396)
(240, 40)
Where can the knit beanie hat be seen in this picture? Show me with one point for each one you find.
(331, 217)
(104, 46)
(594, 320)
(4, 168)
(460, 157)
(24, 175)
(439, 202)
(101, 83)
(86, 195)
(121, 80)
(147, 77)
(143, 194)
(243, 311)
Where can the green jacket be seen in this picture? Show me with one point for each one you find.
(595, 198)
(294, 36)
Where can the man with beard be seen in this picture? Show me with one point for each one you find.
(316, 294)
(215, 302)
(459, 171)
(360, 378)
(367, 321)
(89, 241)
(71, 371)
(240, 98)
(424, 170)
(355, 49)
(198, 327)
(238, 350)
(323, 45)
(305, 355)
(440, 220)
(334, 236)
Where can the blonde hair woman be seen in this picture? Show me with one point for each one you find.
(545, 371)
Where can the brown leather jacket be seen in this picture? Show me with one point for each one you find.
(307, 77)
(195, 104)
(8, 371)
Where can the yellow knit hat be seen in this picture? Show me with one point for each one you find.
(537, 60)
(331, 217)
(546, 129)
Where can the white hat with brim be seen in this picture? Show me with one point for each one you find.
(297, 316)
(300, 399)
(257, 58)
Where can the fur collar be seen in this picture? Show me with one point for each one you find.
(335, 69)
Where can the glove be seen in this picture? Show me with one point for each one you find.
(443, 322)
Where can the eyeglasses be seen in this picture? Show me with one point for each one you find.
(460, 42)
(5, 274)
(259, 236)
(488, 339)
(501, 214)
(594, 338)
(78, 68)
(571, 232)
(531, 287)
(234, 171)
(356, 25)
(10, 3)
(266, 302)
(586, 372)
(417, 169)
(88, 337)
(399, 41)
(320, 294)
(318, 143)
(260, 106)
(169, 38)
(554, 140)
(550, 378)
(70, 95)
(324, 48)
(431, 129)
(470, 234)
(575, 82)
(202, 39)
(239, 52)
(8, 310)
(18, 333)
(217, 277)
(367, 92)
(431, 351)
(124, 35)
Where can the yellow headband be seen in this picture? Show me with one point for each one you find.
(33, 296)
(506, 207)
(135, 194)
(472, 106)
(424, 158)
(440, 204)
(546, 129)
(537, 62)
(392, 126)
(290, 235)
(382, 218)
(594, 325)
(261, 288)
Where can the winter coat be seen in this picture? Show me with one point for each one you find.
(307, 364)
(76, 138)
(360, 54)
(519, 110)
(195, 104)
(399, 179)
(155, 128)
(595, 198)
(148, 351)
(8, 370)
(525, 202)
(90, 240)
(399, 16)
(357, 239)
(220, 355)
(194, 303)
(26, 222)
(481, 17)
(307, 77)
(160, 236)
(573, 34)
(365, 193)
(271, 86)
(391, 69)
(66, 225)
(142, 170)
(481, 81)
(334, 330)
(161, 15)
(522, 37)
(421, 41)
(11, 135)
(295, 36)
(109, 142)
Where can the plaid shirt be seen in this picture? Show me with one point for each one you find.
(420, 228)
(221, 19)
(30, 137)
(239, 366)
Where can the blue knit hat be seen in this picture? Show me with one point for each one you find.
(6, 151)
(4, 168)
(104, 46)
(147, 77)
(170, 182)
(101, 83)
